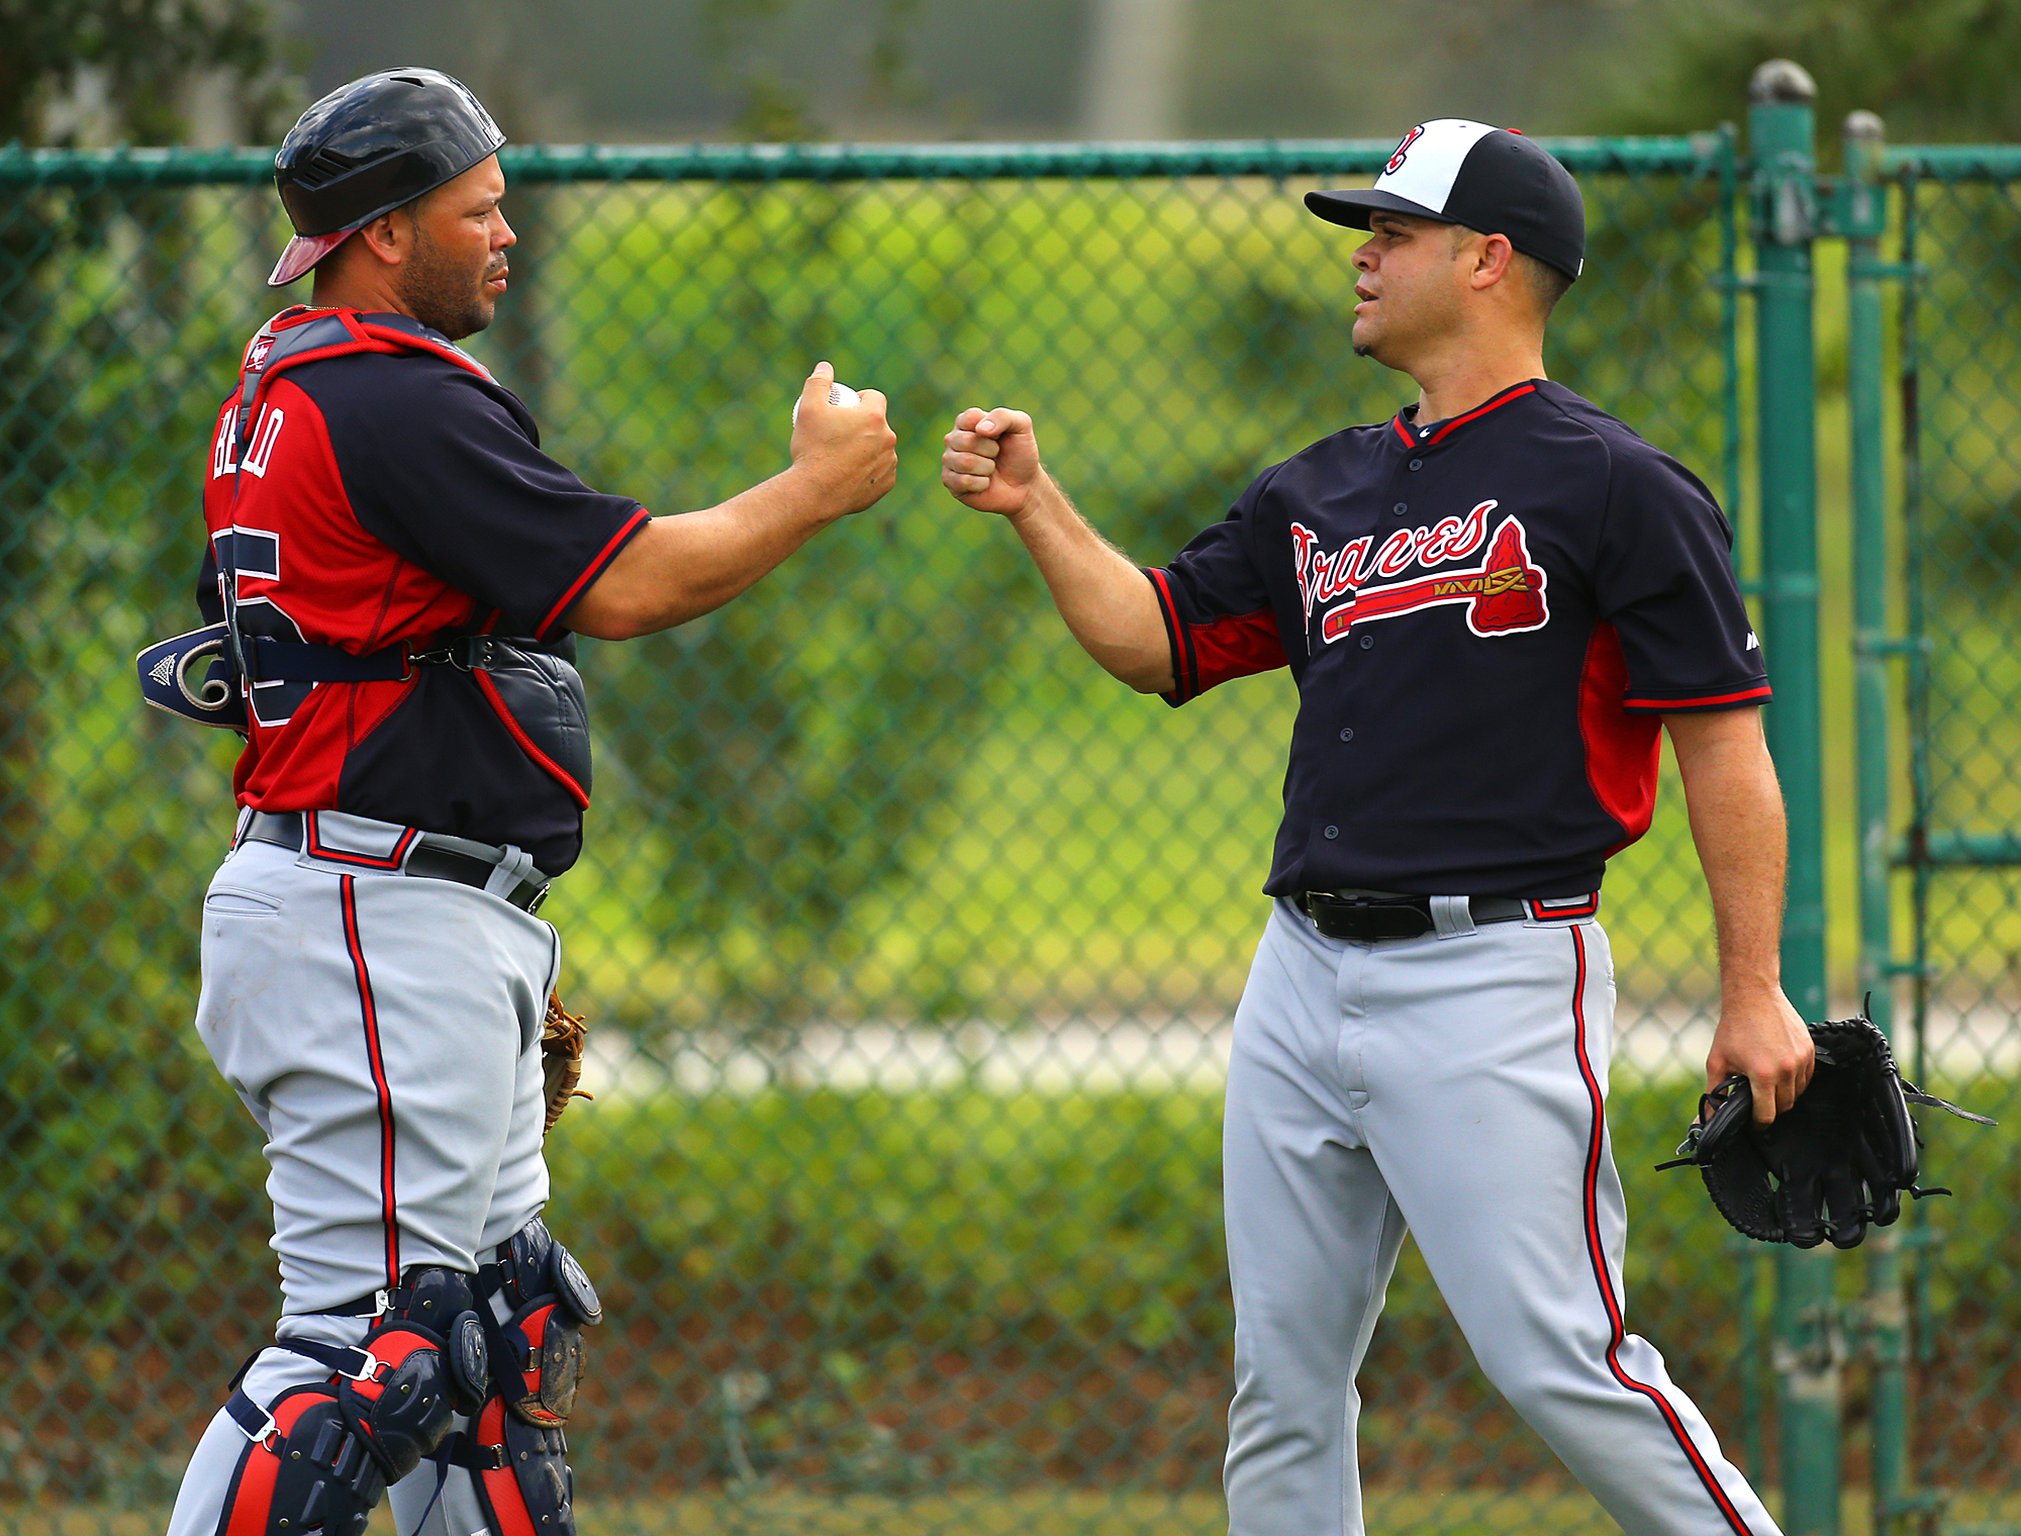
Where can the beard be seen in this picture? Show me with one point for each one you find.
(444, 294)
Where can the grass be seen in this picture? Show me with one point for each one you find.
(1062, 1512)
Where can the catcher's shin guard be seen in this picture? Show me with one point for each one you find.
(515, 1447)
(321, 1456)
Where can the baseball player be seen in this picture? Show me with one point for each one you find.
(393, 574)
(1491, 604)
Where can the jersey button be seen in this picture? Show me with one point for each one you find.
(1347, 733)
(1368, 642)
(1332, 833)
(1400, 508)
(1417, 463)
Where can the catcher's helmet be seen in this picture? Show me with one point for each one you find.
(368, 147)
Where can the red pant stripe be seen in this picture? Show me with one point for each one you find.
(369, 1014)
(1597, 1252)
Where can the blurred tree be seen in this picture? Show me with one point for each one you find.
(737, 35)
(1939, 70)
(85, 1169)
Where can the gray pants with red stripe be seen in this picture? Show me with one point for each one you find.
(384, 1032)
(1453, 1086)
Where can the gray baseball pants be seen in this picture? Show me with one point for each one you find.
(1453, 1086)
(384, 1032)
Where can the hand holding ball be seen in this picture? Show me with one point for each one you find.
(838, 394)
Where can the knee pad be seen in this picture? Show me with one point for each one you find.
(537, 1348)
(322, 1455)
(516, 1447)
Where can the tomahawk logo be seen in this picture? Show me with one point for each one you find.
(1503, 595)
(1402, 149)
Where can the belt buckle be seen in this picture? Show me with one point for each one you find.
(1365, 919)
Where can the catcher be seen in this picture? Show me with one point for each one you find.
(1835, 1163)
(393, 576)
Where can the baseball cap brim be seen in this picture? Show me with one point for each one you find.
(303, 252)
(1353, 208)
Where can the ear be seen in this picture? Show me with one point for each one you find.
(1494, 258)
(388, 237)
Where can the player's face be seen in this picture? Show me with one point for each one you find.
(1411, 288)
(456, 270)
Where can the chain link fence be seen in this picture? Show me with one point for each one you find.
(910, 941)
(1956, 217)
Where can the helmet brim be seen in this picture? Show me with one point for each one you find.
(303, 252)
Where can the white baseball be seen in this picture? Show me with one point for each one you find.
(838, 394)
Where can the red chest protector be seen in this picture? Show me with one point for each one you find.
(206, 675)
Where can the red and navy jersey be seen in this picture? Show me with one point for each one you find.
(1487, 619)
(388, 492)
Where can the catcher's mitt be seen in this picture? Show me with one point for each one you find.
(1830, 1165)
(561, 1037)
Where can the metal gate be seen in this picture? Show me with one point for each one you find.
(1934, 294)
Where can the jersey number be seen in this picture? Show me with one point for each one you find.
(256, 552)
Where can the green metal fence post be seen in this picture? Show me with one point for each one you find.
(1782, 133)
(1886, 1306)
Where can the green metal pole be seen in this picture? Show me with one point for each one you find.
(1874, 647)
(1782, 133)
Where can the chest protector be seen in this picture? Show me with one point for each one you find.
(206, 675)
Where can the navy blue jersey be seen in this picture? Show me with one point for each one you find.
(1486, 619)
(394, 494)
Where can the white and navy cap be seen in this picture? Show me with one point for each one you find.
(1489, 179)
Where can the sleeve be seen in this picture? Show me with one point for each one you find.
(1665, 582)
(1218, 615)
(450, 477)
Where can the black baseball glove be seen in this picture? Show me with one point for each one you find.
(1830, 1165)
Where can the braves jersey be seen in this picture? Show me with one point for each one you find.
(392, 494)
(1486, 619)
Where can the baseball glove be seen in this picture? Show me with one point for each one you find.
(1835, 1162)
(561, 1037)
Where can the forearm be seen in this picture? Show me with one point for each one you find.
(1107, 603)
(1740, 831)
(682, 566)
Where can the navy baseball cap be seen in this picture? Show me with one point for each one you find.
(1489, 179)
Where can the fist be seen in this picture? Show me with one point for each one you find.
(991, 461)
(849, 451)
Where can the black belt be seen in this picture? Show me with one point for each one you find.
(1369, 916)
(428, 858)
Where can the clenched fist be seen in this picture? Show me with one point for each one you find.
(991, 461)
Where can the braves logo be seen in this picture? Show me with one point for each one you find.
(1403, 148)
(1503, 595)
